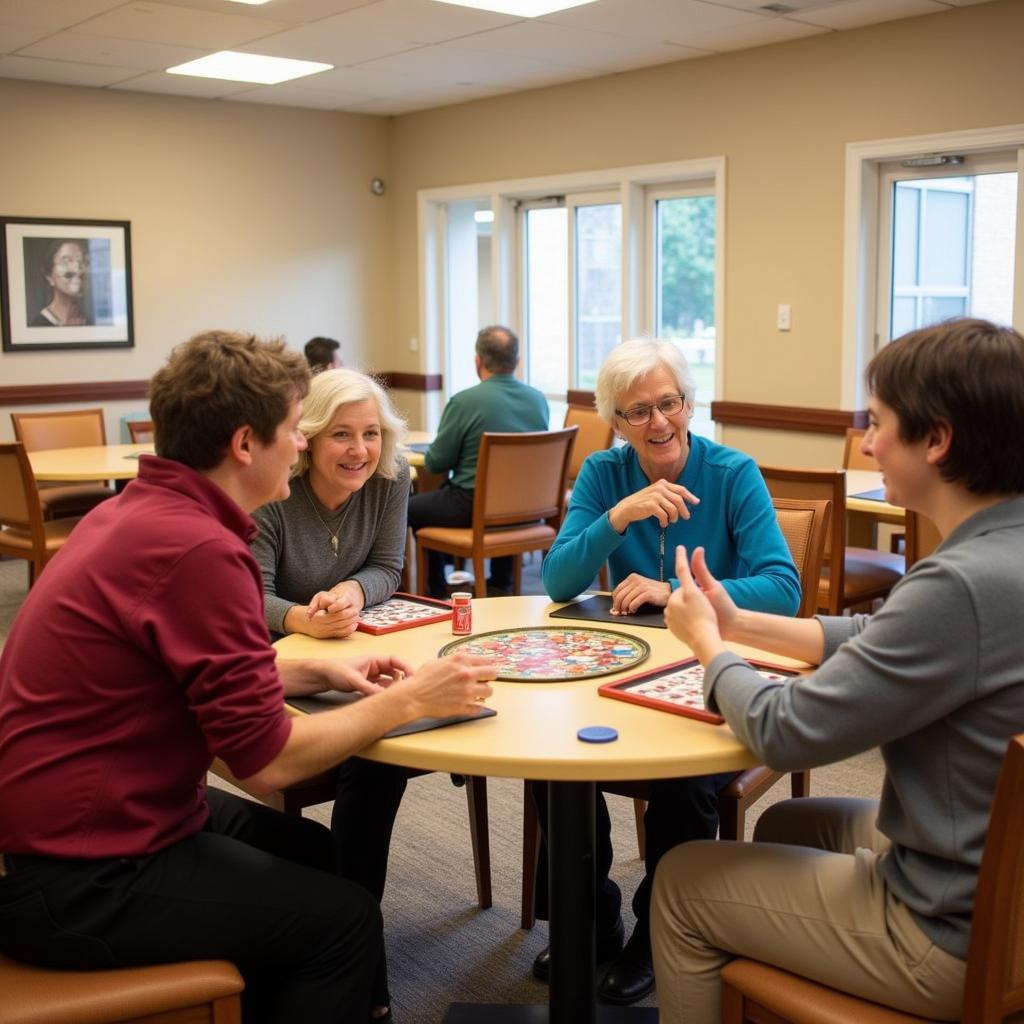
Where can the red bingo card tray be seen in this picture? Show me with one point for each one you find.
(679, 688)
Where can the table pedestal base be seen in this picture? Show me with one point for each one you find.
(506, 1013)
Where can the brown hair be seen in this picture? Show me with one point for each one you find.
(217, 382)
(969, 374)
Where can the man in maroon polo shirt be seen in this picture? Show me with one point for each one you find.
(138, 656)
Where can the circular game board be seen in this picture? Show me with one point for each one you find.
(549, 654)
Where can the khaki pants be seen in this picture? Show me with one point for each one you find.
(816, 907)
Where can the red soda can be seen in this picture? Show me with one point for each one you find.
(462, 614)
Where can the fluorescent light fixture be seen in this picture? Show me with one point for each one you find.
(484, 216)
(252, 3)
(248, 67)
(520, 8)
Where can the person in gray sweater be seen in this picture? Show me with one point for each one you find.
(333, 547)
(872, 898)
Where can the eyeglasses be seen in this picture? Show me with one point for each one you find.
(670, 405)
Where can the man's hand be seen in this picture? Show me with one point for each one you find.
(690, 615)
(666, 502)
(366, 674)
(636, 590)
(456, 685)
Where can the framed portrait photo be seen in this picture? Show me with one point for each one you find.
(65, 284)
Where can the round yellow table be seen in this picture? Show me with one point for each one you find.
(533, 736)
(99, 462)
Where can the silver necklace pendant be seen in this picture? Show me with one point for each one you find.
(334, 545)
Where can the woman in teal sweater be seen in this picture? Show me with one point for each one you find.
(630, 507)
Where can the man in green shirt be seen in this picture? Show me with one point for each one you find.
(499, 403)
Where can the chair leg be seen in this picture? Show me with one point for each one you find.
(476, 798)
(422, 572)
(531, 851)
(602, 577)
(639, 808)
(480, 589)
(517, 574)
(801, 783)
(732, 1005)
(731, 814)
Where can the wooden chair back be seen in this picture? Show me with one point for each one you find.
(594, 436)
(20, 511)
(520, 478)
(76, 428)
(803, 523)
(923, 537)
(819, 485)
(140, 431)
(994, 980)
(853, 457)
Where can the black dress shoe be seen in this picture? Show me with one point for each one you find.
(630, 978)
(609, 946)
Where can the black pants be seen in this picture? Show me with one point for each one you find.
(678, 811)
(366, 800)
(450, 506)
(254, 887)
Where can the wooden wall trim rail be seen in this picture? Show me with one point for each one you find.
(111, 390)
(410, 381)
(787, 417)
(93, 391)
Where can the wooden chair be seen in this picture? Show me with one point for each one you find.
(923, 537)
(518, 504)
(994, 986)
(594, 436)
(197, 992)
(23, 531)
(140, 431)
(320, 790)
(80, 428)
(803, 524)
(862, 574)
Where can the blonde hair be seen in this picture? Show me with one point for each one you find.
(633, 359)
(332, 389)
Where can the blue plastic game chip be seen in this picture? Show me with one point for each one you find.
(597, 734)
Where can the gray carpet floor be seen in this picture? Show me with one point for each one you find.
(442, 948)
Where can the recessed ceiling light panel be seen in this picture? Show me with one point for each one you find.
(252, 3)
(519, 8)
(248, 67)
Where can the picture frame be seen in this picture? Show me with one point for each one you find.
(65, 283)
(402, 611)
(678, 688)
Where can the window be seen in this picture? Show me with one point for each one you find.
(578, 262)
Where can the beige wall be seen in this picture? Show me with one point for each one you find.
(242, 216)
(781, 116)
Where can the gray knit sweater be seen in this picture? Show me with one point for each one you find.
(936, 680)
(294, 547)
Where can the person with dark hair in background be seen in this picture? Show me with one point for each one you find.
(139, 655)
(322, 354)
(65, 268)
(874, 898)
(499, 403)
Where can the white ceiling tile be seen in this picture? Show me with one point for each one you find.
(294, 12)
(14, 37)
(426, 100)
(52, 14)
(363, 79)
(671, 21)
(180, 85)
(180, 26)
(857, 13)
(378, 30)
(543, 40)
(765, 33)
(37, 70)
(88, 49)
(286, 95)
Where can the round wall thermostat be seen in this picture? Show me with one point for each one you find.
(377, 186)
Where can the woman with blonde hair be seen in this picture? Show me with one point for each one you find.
(333, 547)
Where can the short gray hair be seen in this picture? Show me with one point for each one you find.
(633, 359)
(498, 349)
(334, 388)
